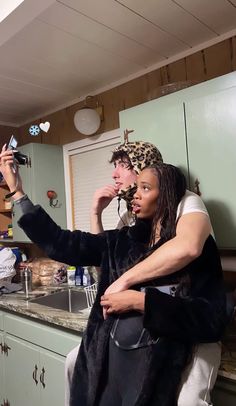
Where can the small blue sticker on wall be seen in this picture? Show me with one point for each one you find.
(34, 130)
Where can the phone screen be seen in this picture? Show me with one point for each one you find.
(12, 143)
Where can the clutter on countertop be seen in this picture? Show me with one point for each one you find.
(7, 264)
(8, 287)
(81, 275)
(71, 275)
(43, 270)
(61, 275)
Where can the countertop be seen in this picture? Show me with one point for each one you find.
(17, 303)
(76, 322)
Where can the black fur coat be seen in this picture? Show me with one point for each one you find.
(196, 314)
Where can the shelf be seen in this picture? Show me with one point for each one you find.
(9, 239)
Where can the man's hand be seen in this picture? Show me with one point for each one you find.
(102, 198)
(123, 302)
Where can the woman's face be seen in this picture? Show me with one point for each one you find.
(144, 203)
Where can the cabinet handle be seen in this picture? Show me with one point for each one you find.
(42, 377)
(34, 375)
(6, 348)
(196, 187)
(28, 162)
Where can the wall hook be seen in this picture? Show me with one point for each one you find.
(52, 195)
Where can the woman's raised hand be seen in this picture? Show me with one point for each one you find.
(9, 170)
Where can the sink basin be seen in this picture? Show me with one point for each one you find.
(68, 300)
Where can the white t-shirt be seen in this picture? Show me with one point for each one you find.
(190, 203)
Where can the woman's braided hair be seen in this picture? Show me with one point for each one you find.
(172, 187)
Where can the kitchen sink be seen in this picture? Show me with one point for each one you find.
(68, 300)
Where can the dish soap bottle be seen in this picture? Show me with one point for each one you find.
(79, 276)
(86, 277)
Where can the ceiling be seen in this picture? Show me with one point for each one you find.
(54, 53)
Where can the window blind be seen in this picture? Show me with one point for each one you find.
(91, 170)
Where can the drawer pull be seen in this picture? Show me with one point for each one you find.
(42, 377)
(34, 375)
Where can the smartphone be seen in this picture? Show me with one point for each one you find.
(12, 143)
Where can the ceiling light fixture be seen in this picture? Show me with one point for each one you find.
(88, 119)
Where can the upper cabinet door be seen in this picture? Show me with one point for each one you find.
(211, 138)
(46, 172)
(161, 122)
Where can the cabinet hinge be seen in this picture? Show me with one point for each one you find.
(5, 403)
(2, 349)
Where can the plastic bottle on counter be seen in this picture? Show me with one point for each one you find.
(86, 277)
(9, 231)
(71, 275)
(79, 275)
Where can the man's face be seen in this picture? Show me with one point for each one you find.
(122, 175)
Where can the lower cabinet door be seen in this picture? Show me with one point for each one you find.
(52, 378)
(22, 365)
(2, 389)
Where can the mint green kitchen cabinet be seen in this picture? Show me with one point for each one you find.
(2, 389)
(211, 134)
(161, 122)
(2, 393)
(32, 371)
(195, 129)
(20, 363)
(40, 377)
(46, 172)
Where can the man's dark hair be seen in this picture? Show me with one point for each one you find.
(172, 187)
(123, 157)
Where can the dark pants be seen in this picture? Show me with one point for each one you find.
(126, 371)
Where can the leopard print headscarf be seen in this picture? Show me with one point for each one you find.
(141, 155)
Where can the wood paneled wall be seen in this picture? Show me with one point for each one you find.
(6, 133)
(207, 64)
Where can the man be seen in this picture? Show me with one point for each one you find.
(193, 227)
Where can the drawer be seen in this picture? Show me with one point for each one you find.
(43, 336)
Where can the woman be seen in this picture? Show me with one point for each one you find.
(136, 356)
